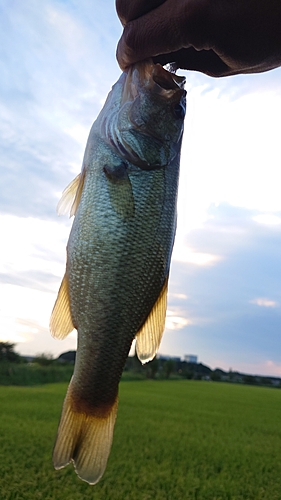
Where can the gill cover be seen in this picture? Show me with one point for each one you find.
(148, 126)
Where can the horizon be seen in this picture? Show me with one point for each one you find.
(162, 357)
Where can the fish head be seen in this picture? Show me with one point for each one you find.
(150, 120)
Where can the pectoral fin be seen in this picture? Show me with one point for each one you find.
(61, 322)
(149, 336)
(120, 190)
(71, 196)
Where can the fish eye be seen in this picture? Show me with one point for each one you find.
(179, 111)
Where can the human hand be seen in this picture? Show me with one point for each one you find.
(216, 37)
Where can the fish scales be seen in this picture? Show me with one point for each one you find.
(118, 256)
(132, 280)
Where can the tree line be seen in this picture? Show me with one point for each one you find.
(44, 368)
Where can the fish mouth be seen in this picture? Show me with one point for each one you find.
(167, 80)
(154, 78)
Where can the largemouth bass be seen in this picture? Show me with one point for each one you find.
(118, 254)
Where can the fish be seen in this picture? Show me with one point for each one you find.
(118, 254)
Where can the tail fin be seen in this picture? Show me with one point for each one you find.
(86, 440)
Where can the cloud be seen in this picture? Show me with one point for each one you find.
(230, 154)
(32, 263)
(223, 324)
(262, 366)
(175, 322)
(268, 219)
(20, 304)
(263, 302)
(79, 133)
(52, 82)
(24, 319)
(181, 296)
(234, 87)
(272, 367)
(182, 253)
(33, 250)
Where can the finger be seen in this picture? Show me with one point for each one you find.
(129, 10)
(205, 61)
(155, 33)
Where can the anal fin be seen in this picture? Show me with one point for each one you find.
(149, 336)
(61, 322)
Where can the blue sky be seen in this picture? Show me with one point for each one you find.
(57, 65)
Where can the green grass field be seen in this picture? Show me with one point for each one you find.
(174, 440)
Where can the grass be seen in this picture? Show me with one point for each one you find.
(174, 440)
(33, 374)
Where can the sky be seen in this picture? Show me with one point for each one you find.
(57, 65)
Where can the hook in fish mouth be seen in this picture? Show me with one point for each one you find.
(167, 80)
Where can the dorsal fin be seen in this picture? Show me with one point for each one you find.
(61, 322)
(149, 336)
(71, 196)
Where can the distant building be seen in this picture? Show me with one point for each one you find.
(164, 357)
(191, 358)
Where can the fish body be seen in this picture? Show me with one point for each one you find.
(118, 254)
